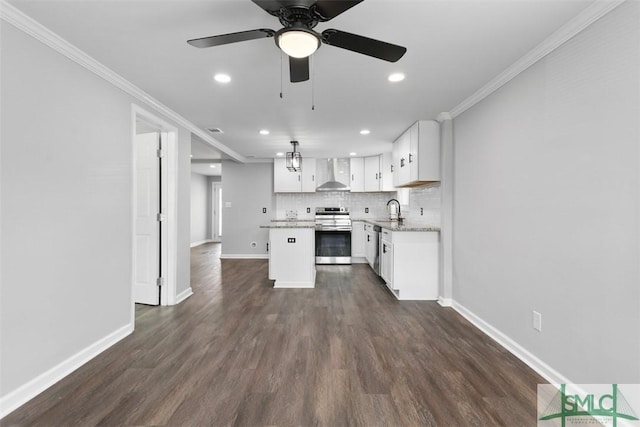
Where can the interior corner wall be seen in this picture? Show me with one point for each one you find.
(248, 188)
(200, 202)
(546, 205)
(66, 206)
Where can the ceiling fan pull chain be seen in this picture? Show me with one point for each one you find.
(280, 75)
(313, 84)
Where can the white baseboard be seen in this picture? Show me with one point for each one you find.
(244, 256)
(26, 392)
(546, 371)
(201, 242)
(184, 295)
(445, 302)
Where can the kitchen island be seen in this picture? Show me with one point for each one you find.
(292, 253)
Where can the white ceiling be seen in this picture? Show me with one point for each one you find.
(454, 48)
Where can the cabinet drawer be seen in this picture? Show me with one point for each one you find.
(368, 227)
(387, 235)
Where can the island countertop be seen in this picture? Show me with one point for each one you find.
(290, 224)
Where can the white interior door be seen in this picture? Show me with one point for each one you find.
(147, 257)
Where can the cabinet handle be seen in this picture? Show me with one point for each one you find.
(298, 177)
(380, 175)
(410, 158)
(368, 238)
(391, 168)
(313, 178)
(384, 249)
(352, 178)
(376, 176)
(402, 162)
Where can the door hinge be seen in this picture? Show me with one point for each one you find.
(160, 217)
(160, 153)
(160, 281)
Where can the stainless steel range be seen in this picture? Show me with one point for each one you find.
(333, 236)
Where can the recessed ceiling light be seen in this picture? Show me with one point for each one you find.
(191, 155)
(212, 166)
(222, 78)
(280, 154)
(396, 77)
(353, 154)
(365, 132)
(264, 132)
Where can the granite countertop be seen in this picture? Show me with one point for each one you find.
(396, 226)
(287, 223)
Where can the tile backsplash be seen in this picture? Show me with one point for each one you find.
(426, 197)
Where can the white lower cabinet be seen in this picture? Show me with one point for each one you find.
(358, 239)
(371, 246)
(409, 263)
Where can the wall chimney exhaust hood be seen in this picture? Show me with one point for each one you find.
(333, 174)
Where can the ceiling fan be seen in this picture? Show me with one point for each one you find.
(298, 39)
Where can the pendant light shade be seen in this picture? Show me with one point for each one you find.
(294, 159)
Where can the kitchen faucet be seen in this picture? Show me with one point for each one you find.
(394, 210)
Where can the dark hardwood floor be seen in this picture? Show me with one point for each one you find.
(239, 352)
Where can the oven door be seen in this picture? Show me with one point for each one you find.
(333, 247)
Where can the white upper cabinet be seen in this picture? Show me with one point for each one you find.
(285, 181)
(372, 173)
(416, 154)
(357, 174)
(308, 175)
(386, 172)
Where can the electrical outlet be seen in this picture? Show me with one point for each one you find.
(264, 210)
(537, 321)
(366, 210)
(421, 211)
(308, 210)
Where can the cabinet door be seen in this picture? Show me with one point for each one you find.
(414, 147)
(386, 172)
(427, 159)
(283, 180)
(370, 249)
(404, 148)
(386, 262)
(357, 174)
(358, 239)
(308, 175)
(372, 173)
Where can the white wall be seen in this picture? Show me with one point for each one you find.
(200, 208)
(66, 200)
(247, 188)
(547, 205)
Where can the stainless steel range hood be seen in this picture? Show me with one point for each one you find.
(333, 174)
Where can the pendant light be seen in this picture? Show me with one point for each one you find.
(294, 159)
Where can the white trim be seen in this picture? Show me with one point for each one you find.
(588, 16)
(26, 392)
(279, 284)
(513, 347)
(244, 256)
(444, 116)
(201, 242)
(445, 302)
(184, 295)
(30, 26)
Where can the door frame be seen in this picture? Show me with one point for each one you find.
(169, 197)
(216, 208)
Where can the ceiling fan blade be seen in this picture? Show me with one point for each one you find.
(231, 38)
(329, 9)
(269, 6)
(299, 69)
(364, 45)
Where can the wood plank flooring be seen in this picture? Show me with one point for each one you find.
(239, 352)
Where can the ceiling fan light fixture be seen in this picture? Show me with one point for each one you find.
(297, 42)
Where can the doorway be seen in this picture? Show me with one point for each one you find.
(216, 209)
(154, 234)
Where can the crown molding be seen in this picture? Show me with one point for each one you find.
(588, 16)
(28, 25)
(444, 116)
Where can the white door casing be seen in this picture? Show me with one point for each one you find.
(216, 223)
(147, 229)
